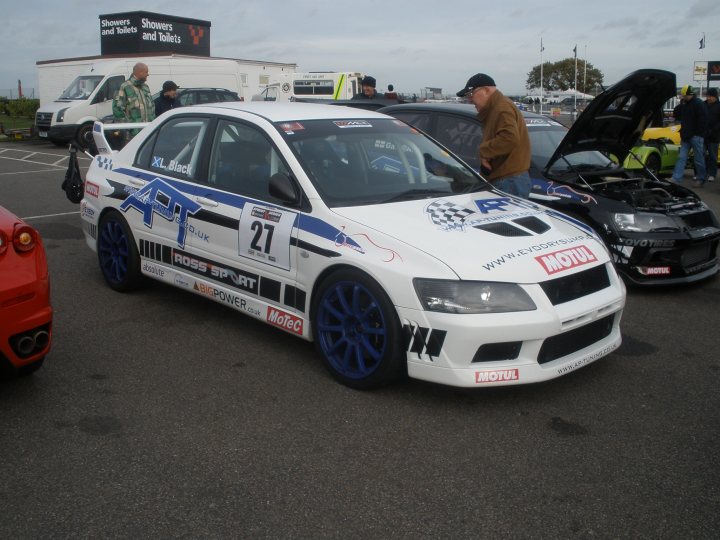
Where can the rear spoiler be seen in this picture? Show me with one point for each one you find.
(101, 143)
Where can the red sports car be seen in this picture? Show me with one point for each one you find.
(25, 310)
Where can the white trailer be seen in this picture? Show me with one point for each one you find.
(323, 85)
(93, 82)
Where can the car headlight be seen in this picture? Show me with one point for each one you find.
(448, 296)
(61, 115)
(644, 222)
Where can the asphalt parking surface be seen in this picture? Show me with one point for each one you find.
(161, 414)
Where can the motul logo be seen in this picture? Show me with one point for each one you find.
(655, 270)
(497, 376)
(286, 321)
(557, 261)
(92, 189)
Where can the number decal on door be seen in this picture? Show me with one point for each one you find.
(265, 233)
(258, 227)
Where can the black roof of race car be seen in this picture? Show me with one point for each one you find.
(464, 109)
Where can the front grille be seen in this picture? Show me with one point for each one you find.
(696, 255)
(493, 352)
(569, 342)
(43, 120)
(569, 288)
(698, 219)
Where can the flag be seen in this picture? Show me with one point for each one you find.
(702, 42)
(541, 46)
(575, 51)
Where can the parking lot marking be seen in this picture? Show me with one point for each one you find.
(26, 172)
(31, 154)
(50, 215)
(25, 160)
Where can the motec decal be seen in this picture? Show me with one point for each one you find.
(565, 259)
(158, 197)
(499, 375)
(285, 320)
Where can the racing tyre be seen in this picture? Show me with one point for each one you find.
(357, 331)
(653, 164)
(117, 253)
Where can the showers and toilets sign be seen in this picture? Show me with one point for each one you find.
(144, 32)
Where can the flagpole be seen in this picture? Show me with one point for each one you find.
(575, 84)
(585, 74)
(541, 75)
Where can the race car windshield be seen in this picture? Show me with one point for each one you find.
(544, 142)
(359, 162)
(81, 87)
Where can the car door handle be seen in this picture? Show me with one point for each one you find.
(206, 202)
(137, 182)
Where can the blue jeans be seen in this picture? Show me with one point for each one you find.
(712, 157)
(519, 184)
(698, 145)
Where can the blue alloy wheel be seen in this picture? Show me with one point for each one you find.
(356, 330)
(117, 253)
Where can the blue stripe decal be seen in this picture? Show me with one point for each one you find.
(303, 222)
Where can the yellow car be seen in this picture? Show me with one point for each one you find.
(671, 133)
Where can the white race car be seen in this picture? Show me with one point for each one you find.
(356, 231)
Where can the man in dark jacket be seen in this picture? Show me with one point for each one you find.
(712, 138)
(368, 85)
(692, 133)
(168, 99)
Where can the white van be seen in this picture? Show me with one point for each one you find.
(89, 97)
(314, 85)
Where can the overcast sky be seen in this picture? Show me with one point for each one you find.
(410, 44)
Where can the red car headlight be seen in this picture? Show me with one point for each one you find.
(24, 238)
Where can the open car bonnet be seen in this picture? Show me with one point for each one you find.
(614, 121)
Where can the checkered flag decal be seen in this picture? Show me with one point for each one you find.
(444, 214)
(104, 162)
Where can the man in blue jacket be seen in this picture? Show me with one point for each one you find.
(692, 133)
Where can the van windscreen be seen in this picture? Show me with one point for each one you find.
(82, 87)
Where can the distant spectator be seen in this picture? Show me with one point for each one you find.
(167, 99)
(368, 85)
(712, 137)
(391, 93)
(692, 132)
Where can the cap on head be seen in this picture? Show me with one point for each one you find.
(169, 85)
(368, 81)
(687, 90)
(713, 92)
(476, 81)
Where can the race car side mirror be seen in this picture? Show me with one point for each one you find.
(283, 188)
